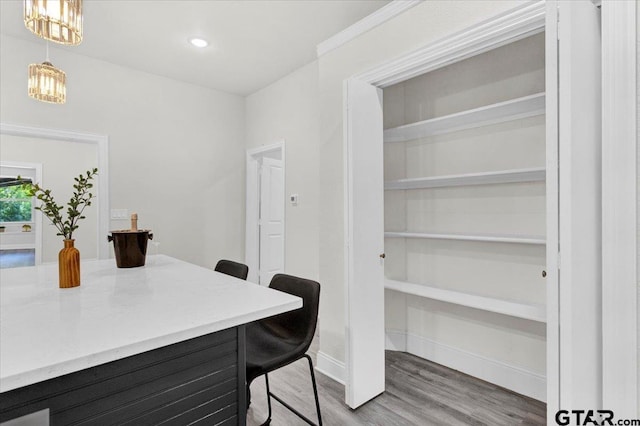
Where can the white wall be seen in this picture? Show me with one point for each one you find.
(418, 26)
(61, 162)
(176, 150)
(287, 110)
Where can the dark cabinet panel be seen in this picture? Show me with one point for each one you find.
(198, 380)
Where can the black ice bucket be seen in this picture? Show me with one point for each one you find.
(130, 247)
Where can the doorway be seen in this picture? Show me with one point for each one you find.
(63, 153)
(265, 217)
(20, 222)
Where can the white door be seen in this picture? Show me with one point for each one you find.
(365, 244)
(580, 202)
(552, 247)
(271, 219)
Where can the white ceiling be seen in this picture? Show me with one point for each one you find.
(252, 42)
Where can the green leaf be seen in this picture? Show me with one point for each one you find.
(80, 199)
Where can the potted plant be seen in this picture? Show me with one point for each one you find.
(69, 256)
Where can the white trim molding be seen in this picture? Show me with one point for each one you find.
(512, 377)
(266, 148)
(102, 142)
(331, 367)
(619, 209)
(26, 246)
(502, 29)
(379, 17)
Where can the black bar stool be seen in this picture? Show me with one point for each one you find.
(278, 341)
(235, 269)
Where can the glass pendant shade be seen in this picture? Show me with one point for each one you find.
(56, 20)
(47, 83)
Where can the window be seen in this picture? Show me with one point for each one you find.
(15, 204)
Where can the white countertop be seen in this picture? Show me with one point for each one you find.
(46, 331)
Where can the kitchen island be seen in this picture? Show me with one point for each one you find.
(149, 345)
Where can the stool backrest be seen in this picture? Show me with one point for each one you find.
(297, 326)
(232, 268)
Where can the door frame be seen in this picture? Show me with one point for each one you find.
(619, 209)
(505, 28)
(579, 130)
(359, 360)
(252, 206)
(101, 202)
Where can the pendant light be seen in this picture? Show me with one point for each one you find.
(59, 21)
(47, 83)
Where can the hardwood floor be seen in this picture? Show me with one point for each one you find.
(418, 392)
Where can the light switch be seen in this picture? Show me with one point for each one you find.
(119, 214)
(294, 199)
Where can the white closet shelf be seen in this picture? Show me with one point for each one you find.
(527, 106)
(529, 311)
(490, 238)
(535, 174)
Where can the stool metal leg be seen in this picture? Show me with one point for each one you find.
(315, 389)
(266, 381)
(289, 407)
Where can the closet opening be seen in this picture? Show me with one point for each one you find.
(467, 162)
(465, 211)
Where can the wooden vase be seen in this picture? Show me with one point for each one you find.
(69, 265)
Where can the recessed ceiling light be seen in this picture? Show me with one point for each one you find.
(198, 42)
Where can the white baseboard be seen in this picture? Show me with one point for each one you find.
(331, 367)
(515, 378)
(395, 341)
(25, 246)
